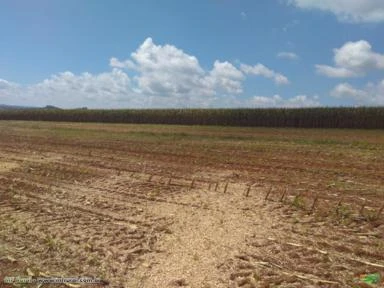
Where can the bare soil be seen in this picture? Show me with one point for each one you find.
(179, 206)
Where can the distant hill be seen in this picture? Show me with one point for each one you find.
(15, 107)
(51, 107)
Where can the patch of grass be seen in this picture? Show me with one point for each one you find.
(298, 202)
(370, 215)
(52, 243)
(343, 212)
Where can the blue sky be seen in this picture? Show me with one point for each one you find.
(208, 53)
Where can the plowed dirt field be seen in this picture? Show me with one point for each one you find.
(180, 206)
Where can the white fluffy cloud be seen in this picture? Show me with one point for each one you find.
(109, 85)
(347, 90)
(226, 77)
(261, 70)
(153, 76)
(278, 101)
(287, 55)
(167, 70)
(112, 89)
(69, 90)
(7, 89)
(353, 59)
(335, 72)
(115, 63)
(347, 10)
(371, 94)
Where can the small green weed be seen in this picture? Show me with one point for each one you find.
(298, 202)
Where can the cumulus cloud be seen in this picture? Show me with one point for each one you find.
(153, 76)
(352, 11)
(115, 63)
(68, 90)
(226, 77)
(353, 59)
(278, 101)
(7, 89)
(335, 72)
(261, 70)
(347, 90)
(371, 94)
(287, 55)
(112, 89)
(167, 70)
